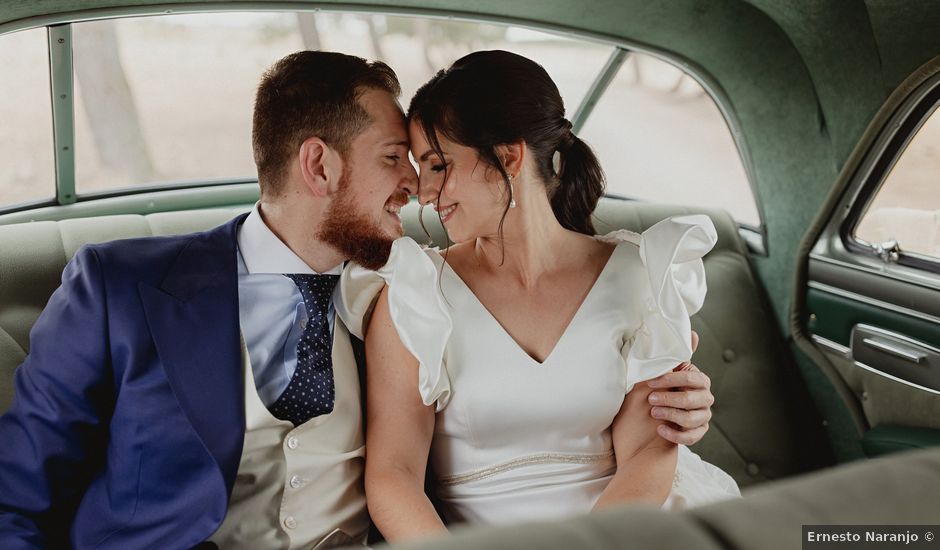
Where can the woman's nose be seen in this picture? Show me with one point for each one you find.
(428, 192)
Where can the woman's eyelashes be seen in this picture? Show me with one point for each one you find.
(438, 168)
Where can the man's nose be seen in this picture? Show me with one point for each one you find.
(409, 182)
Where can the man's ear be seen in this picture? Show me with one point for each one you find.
(320, 166)
(513, 156)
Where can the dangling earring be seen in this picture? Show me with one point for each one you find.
(512, 193)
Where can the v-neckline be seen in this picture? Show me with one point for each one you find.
(515, 343)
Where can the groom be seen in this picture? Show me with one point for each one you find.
(199, 388)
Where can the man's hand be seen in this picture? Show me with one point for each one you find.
(683, 401)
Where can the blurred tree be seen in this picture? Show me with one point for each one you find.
(443, 42)
(307, 23)
(310, 34)
(109, 103)
(375, 38)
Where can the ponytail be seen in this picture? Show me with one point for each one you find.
(580, 185)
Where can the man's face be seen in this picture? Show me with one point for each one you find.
(364, 219)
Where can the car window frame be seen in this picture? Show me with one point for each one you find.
(901, 130)
(754, 237)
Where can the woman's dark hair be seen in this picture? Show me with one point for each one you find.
(491, 98)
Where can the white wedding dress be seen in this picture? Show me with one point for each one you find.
(515, 439)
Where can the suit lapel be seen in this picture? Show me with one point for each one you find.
(193, 319)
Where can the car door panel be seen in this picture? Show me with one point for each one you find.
(874, 308)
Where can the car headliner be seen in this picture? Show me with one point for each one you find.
(799, 80)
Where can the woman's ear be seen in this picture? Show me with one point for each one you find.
(320, 165)
(513, 156)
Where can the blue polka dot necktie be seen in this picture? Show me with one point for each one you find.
(311, 392)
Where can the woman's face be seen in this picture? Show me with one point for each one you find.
(472, 199)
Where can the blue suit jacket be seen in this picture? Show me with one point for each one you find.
(127, 425)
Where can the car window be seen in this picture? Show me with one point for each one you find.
(906, 208)
(26, 147)
(660, 137)
(168, 99)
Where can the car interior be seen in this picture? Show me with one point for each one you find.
(821, 329)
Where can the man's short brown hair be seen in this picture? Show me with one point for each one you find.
(311, 94)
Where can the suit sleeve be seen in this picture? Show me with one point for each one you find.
(54, 435)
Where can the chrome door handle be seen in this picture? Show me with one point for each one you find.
(896, 356)
(896, 350)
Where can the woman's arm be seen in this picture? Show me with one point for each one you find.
(398, 435)
(646, 463)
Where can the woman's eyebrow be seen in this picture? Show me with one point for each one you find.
(425, 155)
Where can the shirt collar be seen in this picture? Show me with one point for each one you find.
(263, 252)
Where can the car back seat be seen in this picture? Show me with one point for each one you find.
(755, 434)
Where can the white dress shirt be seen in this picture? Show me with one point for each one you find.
(271, 310)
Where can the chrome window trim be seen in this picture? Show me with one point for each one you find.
(754, 238)
(904, 274)
(834, 347)
(164, 200)
(853, 213)
(887, 134)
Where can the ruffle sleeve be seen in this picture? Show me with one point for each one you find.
(416, 308)
(671, 252)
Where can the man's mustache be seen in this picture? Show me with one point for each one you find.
(399, 198)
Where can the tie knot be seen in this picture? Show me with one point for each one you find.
(317, 291)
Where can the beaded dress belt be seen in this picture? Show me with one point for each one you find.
(543, 458)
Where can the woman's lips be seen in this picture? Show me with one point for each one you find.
(446, 213)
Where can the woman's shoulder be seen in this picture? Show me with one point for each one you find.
(667, 255)
(673, 281)
(411, 268)
(420, 317)
(678, 238)
(405, 249)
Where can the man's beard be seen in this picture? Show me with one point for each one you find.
(353, 233)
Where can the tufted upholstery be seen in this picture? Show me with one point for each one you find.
(755, 434)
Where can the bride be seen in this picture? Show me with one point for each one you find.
(517, 359)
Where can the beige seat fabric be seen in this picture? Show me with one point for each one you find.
(755, 435)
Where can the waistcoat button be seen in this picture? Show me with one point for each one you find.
(290, 522)
(296, 482)
(293, 443)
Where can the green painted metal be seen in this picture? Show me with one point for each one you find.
(63, 119)
(834, 316)
(892, 439)
(598, 87)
